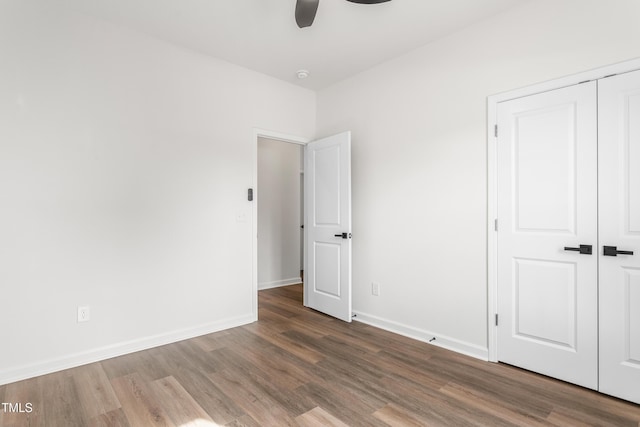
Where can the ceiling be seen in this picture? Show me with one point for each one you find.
(262, 35)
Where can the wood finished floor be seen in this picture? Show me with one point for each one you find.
(298, 367)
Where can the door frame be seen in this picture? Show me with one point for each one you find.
(275, 136)
(492, 170)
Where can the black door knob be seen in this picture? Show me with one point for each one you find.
(343, 235)
(613, 251)
(583, 249)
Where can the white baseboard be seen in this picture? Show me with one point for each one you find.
(279, 283)
(452, 344)
(107, 352)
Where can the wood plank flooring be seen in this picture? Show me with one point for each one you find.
(296, 367)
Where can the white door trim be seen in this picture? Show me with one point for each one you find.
(492, 107)
(277, 136)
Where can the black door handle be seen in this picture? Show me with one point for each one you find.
(583, 249)
(613, 251)
(343, 235)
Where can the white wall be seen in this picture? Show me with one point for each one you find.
(419, 156)
(124, 165)
(278, 213)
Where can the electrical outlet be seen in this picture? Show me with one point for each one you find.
(84, 313)
(375, 289)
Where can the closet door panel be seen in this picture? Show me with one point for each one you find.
(619, 227)
(547, 177)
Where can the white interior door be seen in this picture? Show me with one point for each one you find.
(327, 281)
(619, 215)
(547, 205)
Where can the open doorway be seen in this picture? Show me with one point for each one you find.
(278, 212)
(327, 236)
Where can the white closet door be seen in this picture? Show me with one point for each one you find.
(547, 201)
(619, 217)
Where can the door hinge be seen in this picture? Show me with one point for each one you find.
(496, 319)
(495, 131)
(495, 224)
